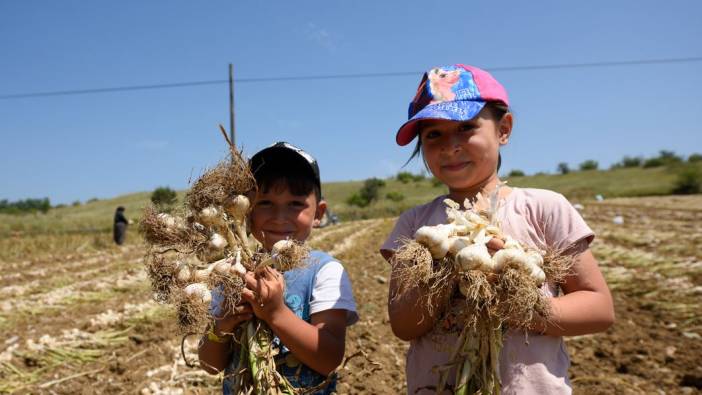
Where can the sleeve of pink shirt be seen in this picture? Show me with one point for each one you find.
(404, 228)
(564, 226)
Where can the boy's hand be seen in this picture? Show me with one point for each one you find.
(264, 291)
(232, 319)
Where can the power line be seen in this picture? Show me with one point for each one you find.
(339, 77)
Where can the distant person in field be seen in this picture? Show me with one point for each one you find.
(460, 118)
(119, 230)
(308, 308)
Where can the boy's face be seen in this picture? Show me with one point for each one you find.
(278, 215)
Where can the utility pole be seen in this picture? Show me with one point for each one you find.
(232, 134)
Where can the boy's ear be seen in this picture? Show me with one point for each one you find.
(504, 128)
(321, 209)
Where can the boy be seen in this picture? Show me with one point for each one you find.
(308, 309)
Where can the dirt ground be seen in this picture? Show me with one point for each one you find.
(85, 323)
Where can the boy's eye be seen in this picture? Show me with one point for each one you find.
(298, 204)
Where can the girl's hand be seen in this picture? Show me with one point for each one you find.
(264, 291)
(232, 319)
(495, 244)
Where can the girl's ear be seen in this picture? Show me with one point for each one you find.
(504, 128)
(319, 213)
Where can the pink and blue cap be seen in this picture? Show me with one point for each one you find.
(454, 93)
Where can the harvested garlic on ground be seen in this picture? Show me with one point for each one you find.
(218, 242)
(474, 256)
(200, 291)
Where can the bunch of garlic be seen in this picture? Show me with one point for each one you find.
(465, 238)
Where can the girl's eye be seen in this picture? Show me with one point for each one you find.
(263, 203)
(432, 134)
(466, 127)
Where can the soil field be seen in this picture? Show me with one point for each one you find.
(83, 322)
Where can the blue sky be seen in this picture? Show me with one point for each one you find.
(105, 144)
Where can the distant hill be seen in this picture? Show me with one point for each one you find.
(581, 186)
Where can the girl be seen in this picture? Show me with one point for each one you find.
(461, 117)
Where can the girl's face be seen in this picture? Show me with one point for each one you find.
(464, 154)
(277, 215)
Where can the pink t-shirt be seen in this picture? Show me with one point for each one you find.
(533, 364)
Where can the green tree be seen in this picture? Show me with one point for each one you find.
(689, 182)
(368, 193)
(563, 168)
(164, 197)
(516, 173)
(589, 165)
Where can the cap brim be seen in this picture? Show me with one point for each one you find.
(450, 111)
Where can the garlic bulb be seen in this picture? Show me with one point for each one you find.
(199, 290)
(237, 268)
(281, 245)
(508, 255)
(218, 242)
(435, 238)
(222, 266)
(458, 243)
(237, 207)
(209, 216)
(182, 272)
(474, 256)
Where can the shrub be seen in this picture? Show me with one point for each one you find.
(689, 181)
(404, 177)
(653, 162)
(435, 182)
(163, 196)
(394, 196)
(563, 168)
(357, 200)
(629, 161)
(516, 173)
(367, 194)
(669, 157)
(589, 165)
(75, 203)
(693, 158)
(25, 206)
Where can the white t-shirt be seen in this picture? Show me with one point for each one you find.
(332, 290)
